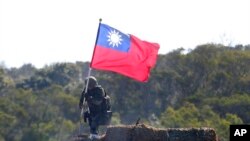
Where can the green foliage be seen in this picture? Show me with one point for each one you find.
(5, 80)
(190, 116)
(115, 119)
(6, 121)
(208, 86)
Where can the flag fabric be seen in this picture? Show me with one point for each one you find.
(123, 53)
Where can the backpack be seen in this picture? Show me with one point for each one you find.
(106, 102)
(106, 111)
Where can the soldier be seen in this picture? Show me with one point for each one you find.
(99, 105)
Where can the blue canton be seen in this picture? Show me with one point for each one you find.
(104, 39)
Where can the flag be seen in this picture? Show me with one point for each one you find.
(123, 53)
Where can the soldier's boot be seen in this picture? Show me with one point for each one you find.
(94, 137)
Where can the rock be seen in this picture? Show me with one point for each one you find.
(143, 132)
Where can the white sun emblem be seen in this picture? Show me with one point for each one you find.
(114, 38)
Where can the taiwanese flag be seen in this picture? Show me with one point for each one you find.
(124, 54)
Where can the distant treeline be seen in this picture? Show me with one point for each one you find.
(207, 87)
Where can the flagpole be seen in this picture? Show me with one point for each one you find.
(89, 73)
(97, 35)
(87, 83)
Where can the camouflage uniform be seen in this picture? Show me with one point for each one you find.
(94, 98)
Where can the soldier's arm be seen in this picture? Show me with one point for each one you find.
(82, 96)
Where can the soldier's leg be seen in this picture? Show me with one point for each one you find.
(93, 124)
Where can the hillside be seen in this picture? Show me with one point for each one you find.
(208, 86)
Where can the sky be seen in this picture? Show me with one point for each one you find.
(43, 32)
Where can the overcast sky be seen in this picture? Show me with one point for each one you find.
(47, 31)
